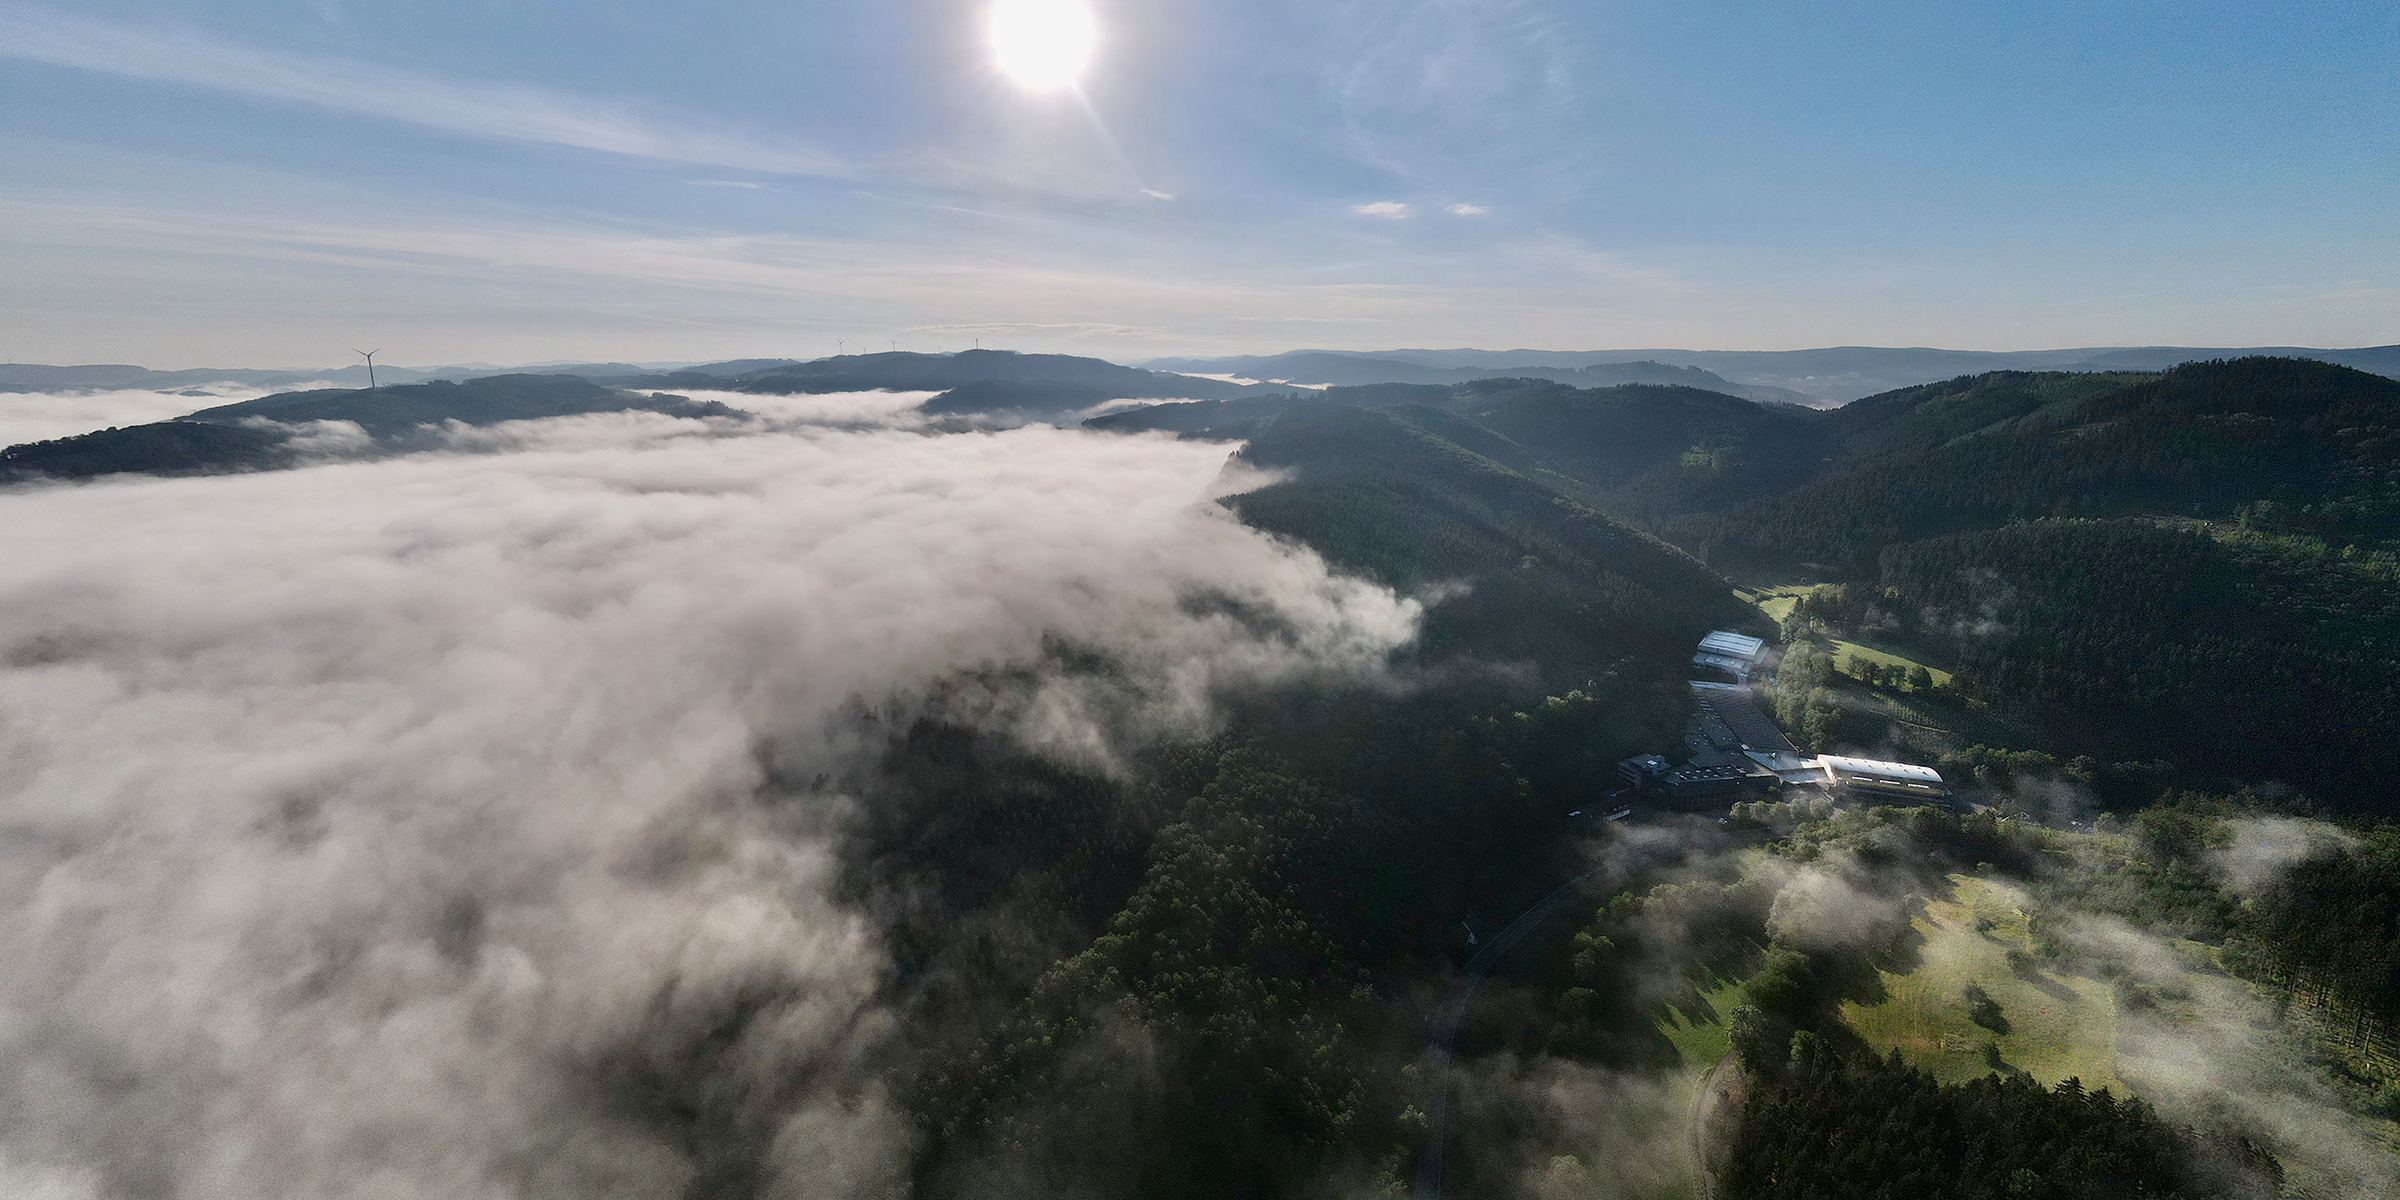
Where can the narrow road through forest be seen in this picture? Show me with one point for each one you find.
(1445, 1034)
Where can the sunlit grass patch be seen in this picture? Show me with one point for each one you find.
(1844, 651)
(1777, 600)
(1703, 1041)
(2051, 1026)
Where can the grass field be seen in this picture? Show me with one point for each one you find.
(1701, 1043)
(1843, 652)
(2206, 1039)
(1777, 601)
(2058, 1025)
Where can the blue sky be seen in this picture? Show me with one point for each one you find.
(266, 182)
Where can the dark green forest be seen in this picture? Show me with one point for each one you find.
(1825, 1123)
(2259, 657)
(2189, 568)
(1231, 998)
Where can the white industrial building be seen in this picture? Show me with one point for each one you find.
(1883, 778)
(1733, 653)
(1736, 747)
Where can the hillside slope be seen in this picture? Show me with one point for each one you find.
(1417, 497)
(2317, 443)
(910, 372)
(252, 435)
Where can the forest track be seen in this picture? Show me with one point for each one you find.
(1703, 1111)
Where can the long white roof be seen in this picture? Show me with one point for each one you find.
(1881, 770)
(1734, 644)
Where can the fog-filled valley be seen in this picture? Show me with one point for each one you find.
(451, 824)
(539, 786)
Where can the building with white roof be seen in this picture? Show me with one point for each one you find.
(1794, 769)
(1733, 653)
(1734, 645)
(1884, 778)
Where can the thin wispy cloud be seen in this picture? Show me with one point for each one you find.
(1466, 210)
(1389, 210)
(495, 110)
(1155, 194)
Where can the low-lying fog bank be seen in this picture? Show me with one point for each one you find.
(396, 828)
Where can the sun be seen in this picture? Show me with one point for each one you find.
(1043, 44)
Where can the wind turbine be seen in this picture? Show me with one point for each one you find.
(368, 355)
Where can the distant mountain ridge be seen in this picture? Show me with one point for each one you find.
(1000, 380)
(94, 377)
(1774, 486)
(1820, 378)
(897, 371)
(1323, 368)
(255, 435)
(1823, 377)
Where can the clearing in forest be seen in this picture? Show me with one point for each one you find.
(2049, 1025)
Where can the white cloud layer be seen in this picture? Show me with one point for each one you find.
(1389, 210)
(37, 416)
(402, 828)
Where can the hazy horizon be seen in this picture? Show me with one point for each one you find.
(437, 363)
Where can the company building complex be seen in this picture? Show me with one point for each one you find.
(1734, 747)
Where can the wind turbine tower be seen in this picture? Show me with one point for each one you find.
(368, 355)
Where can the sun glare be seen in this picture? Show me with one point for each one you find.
(1043, 44)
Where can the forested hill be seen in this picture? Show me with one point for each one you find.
(2307, 445)
(1418, 497)
(254, 435)
(2223, 615)
(1258, 924)
(1650, 453)
(2255, 656)
(485, 401)
(1022, 378)
(2318, 443)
